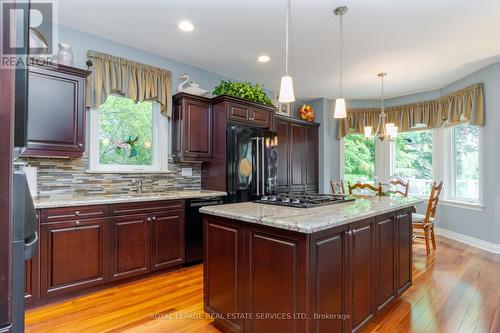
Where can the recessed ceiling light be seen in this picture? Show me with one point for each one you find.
(263, 58)
(186, 25)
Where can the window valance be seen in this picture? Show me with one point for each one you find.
(463, 106)
(139, 82)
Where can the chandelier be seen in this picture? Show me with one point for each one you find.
(385, 131)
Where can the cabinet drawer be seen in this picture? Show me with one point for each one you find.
(239, 112)
(145, 207)
(73, 213)
(261, 117)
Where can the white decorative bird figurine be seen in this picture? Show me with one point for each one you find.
(190, 87)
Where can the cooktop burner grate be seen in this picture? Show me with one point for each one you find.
(303, 200)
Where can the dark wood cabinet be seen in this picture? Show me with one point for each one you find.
(87, 246)
(129, 246)
(56, 105)
(357, 269)
(192, 128)
(250, 113)
(73, 255)
(297, 155)
(362, 269)
(167, 240)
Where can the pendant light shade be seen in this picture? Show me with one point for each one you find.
(340, 110)
(340, 105)
(286, 88)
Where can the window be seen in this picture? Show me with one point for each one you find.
(359, 158)
(465, 163)
(127, 136)
(413, 160)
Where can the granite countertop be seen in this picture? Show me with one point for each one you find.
(310, 220)
(56, 201)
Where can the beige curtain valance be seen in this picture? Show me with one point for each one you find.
(463, 106)
(140, 82)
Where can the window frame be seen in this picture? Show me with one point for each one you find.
(160, 151)
(443, 167)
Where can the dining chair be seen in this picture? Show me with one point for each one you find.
(398, 187)
(365, 186)
(340, 185)
(426, 222)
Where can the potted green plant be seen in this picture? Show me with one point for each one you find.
(245, 90)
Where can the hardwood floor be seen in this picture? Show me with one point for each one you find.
(456, 290)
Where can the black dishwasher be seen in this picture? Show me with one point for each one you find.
(194, 227)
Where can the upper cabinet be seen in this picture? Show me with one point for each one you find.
(56, 111)
(191, 128)
(247, 112)
(297, 155)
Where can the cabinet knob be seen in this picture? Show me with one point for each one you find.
(149, 219)
(154, 218)
(187, 151)
(77, 213)
(80, 145)
(77, 223)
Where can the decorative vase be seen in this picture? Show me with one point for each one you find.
(65, 55)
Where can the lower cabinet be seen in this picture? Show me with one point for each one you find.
(167, 240)
(74, 255)
(77, 252)
(129, 246)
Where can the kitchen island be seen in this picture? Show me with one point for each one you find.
(332, 268)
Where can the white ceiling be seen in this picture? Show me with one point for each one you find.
(421, 44)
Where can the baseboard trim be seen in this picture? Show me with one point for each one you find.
(476, 242)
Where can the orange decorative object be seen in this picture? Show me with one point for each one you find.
(306, 112)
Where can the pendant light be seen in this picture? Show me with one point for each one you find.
(286, 88)
(385, 130)
(340, 105)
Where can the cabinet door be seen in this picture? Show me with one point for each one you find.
(386, 265)
(297, 157)
(73, 255)
(283, 168)
(197, 129)
(239, 112)
(311, 161)
(261, 118)
(404, 251)
(56, 122)
(167, 240)
(362, 270)
(129, 246)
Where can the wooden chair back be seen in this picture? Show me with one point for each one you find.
(363, 186)
(340, 185)
(400, 187)
(433, 202)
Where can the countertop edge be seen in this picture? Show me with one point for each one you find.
(58, 203)
(339, 222)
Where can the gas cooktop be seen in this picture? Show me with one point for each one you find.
(303, 200)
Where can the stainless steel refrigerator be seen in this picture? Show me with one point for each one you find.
(251, 162)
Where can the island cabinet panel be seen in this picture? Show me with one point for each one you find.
(224, 286)
(275, 290)
(362, 270)
(129, 246)
(74, 255)
(404, 251)
(386, 260)
(329, 281)
(192, 128)
(167, 240)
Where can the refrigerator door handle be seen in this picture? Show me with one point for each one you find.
(258, 166)
(263, 166)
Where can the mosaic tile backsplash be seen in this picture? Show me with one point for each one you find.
(69, 176)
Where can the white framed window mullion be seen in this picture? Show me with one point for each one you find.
(341, 153)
